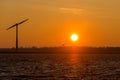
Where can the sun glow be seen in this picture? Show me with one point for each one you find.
(74, 37)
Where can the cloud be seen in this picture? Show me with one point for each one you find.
(71, 10)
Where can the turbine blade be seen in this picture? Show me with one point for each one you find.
(17, 24)
(11, 26)
(22, 21)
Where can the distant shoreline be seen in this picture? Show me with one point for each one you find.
(54, 50)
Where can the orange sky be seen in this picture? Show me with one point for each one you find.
(51, 22)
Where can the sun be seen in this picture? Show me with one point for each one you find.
(74, 37)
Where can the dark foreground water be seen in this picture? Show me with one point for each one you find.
(59, 66)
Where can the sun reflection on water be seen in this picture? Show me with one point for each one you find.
(73, 59)
(74, 63)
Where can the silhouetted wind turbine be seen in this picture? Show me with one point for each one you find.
(16, 25)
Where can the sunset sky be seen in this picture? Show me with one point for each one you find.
(51, 22)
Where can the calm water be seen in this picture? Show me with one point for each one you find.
(59, 67)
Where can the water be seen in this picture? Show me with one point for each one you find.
(60, 66)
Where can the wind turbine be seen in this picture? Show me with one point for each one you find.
(16, 25)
